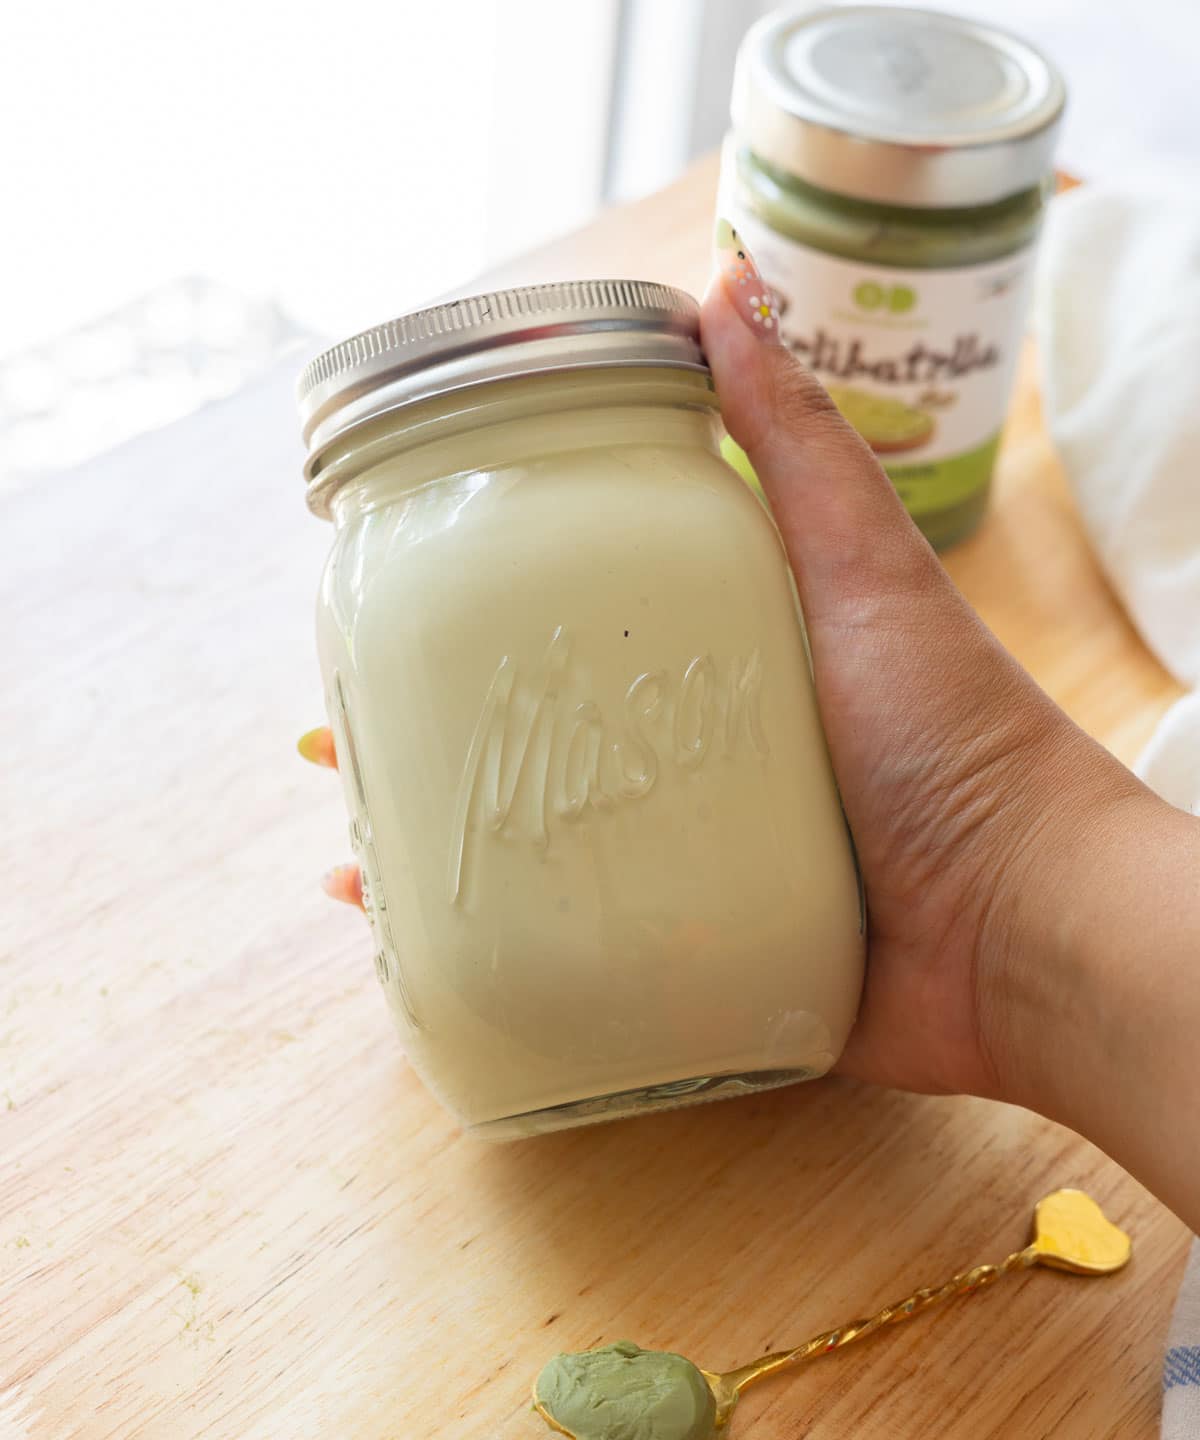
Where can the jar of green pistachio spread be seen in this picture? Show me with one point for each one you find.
(888, 170)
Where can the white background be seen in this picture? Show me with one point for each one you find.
(346, 159)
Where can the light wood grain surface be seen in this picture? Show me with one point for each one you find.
(227, 1207)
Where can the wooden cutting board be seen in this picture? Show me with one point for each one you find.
(228, 1209)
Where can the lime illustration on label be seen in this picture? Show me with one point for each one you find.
(888, 426)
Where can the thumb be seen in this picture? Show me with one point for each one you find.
(846, 532)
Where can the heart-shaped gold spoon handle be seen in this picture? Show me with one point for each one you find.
(1071, 1232)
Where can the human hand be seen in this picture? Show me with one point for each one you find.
(942, 746)
(1031, 905)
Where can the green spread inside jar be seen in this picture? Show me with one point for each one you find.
(906, 236)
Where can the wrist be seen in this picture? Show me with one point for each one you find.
(1048, 997)
(1092, 1012)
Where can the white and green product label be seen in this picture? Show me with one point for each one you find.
(919, 361)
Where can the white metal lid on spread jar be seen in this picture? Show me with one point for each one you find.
(532, 329)
(903, 107)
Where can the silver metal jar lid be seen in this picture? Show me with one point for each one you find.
(574, 325)
(903, 107)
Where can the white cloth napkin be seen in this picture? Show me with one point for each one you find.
(1119, 316)
(1118, 319)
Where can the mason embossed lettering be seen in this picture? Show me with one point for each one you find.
(539, 756)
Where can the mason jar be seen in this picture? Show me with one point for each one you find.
(604, 859)
(888, 169)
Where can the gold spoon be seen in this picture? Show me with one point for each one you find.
(1070, 1232)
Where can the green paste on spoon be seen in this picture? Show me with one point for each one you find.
(622, 1392)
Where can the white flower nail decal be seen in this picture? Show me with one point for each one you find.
(762, 311)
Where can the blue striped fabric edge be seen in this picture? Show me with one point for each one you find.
(1182, 1366)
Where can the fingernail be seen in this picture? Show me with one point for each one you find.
(744, 284)
(317, 746)
(344, 883)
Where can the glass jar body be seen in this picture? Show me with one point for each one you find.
(604, 858)
(913, 318)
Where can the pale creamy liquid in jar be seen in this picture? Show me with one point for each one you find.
(606, 864)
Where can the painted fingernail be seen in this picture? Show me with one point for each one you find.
(344, 883)
(744, 284)
(317, 746)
